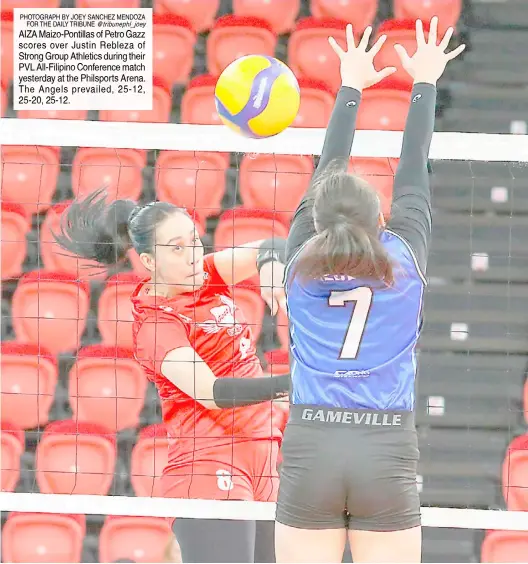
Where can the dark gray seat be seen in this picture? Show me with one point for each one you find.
(477, 390)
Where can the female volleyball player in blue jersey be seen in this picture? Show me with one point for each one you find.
(354, 290)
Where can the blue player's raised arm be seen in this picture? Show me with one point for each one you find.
(411, 204)
(357, 73)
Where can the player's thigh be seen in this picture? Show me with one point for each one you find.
(264, 457)
(312, 493)
(388, 546)
(214, 474)
(308, 545)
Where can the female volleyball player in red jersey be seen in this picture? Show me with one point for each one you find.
(196, 347)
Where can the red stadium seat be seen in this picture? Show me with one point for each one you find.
(50, 309)
(274, 182)
(379, 172)
(201, 14)
(173, 42)
(15, 226)
(114, 313)
(192, 180)
(281, 14)
(43, 537)
(53, 114)
(504, 546)
(515, 475)
(448, 11)
(108, 3)
(107, 386)
(402, 32)
(198, 102)
(75, 458)
(247, 298)
(56, 258)
(239, 226)
(119, 170)
(29, 378)
(4, 101)
(309, 53)
(12, 443)
(140, 539)
(10, 5)
(233, 37)
(160, 113)
(6, 51)
(149, 458)
(29, 176)
(317, 102)
(384, 109)
(360, 13)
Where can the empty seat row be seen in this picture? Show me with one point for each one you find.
(34, 537)
(309, 54)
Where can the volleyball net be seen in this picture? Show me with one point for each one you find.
(472, 402)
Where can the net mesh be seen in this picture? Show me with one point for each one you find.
(69, 331)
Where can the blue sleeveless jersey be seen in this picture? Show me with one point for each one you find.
(353, 341)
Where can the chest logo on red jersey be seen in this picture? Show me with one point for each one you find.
(224, 318)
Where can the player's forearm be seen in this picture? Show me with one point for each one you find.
(341, 128)
(412, 174)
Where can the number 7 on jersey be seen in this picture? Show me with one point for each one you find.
(358, 321)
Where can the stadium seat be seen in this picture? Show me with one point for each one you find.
(384, 109)
(12, 443)
(6, 52)
(139, 539)
(107, 386)
(201, 14)
(233, 37)
(58, 259)
(53, 114)
(118, 170)
(15, 226)
(29, 378)
(10, 5)
(192, 180)
(50, 308)
(379, 172)
(360, 13)
(43, 537)
(239, 226)
(108, 3)
(280, 14)
(248, 299)
(448, 11)
(173, 42)
(198, 103)
(309, 53)
(149, 458)
(4, 99)
(29, 176)
(402, 32)
(317, 102)
(274, 182)
(114, 312)
(504, 546)
(515, 475)
(74, 457)
(160, 113)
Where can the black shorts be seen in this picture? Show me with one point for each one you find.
(352, 469)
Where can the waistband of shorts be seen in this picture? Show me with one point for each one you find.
(341, 417)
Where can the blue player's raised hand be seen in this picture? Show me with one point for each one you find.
(357, 64)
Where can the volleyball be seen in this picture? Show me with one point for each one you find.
(257, 96)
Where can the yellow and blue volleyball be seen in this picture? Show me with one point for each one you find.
(257, 96)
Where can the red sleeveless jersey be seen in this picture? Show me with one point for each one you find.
(208, 321)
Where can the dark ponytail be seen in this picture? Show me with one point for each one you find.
(102, 232)
(346, 215)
